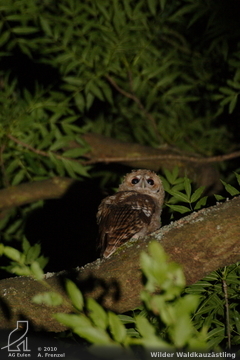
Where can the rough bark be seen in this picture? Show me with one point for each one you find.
(29, 192)
(201, 242)
(106, 150)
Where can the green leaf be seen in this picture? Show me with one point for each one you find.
(117, 329)
(179, 208)
(179, 185)
(165, 183)
(59, 144)
(127, 8)
(73, 321)
(94, 335)
(197, 194)
(4, 37)
(201, 203)
(58, 163)
(25, 245)
(187, 187)
(107, 92)
(144, 327)
(13, 227)
(103, 10)
(179, 196)
(79, 101)
(12, 253)
(75, 153)
(18, 17)
(95, 90)
(215, 336)
(181, 332)
(69, 79)
(152, 4)
(68, 34)
(89, 100)
(49, 298)
(45, 25)
(178, 89)
(187, 305)
(97, 314)
(171, 176)
(226, 90)
(226, 100)
(70, 129)
(162, 3)
(146, 265)
(175, 172)
(69, 168)
(219, 197)
(75, 294)
(42, 260)
(233, 103)
(230, 189)
(212, 276)
(36, 270)
(23, 30)
(238, 177)
(236, 317)
(13, 165)
(20, 270)
(133, 333)
(18, 177)
(80, 169)
(33, 253)
(156, 252)
(125, 319)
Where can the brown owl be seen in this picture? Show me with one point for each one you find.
(134, 211)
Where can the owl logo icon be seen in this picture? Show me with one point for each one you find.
(18, 343)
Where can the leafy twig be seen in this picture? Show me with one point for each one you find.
(40, 152)
(136, 100)
(27, 146)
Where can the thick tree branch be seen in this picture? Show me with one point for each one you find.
(29, 192)
(144, 153)
(110, 150)
(107, 150)
(201, 242)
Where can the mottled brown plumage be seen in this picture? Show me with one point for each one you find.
(134, 211)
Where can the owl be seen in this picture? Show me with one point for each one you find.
(134, 211)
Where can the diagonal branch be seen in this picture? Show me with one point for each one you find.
(201, 242)
(135, 99)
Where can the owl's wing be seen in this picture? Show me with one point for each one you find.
(122, 216)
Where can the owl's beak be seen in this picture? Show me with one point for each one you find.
(143, 183)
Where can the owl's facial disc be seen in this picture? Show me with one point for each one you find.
(143, 181)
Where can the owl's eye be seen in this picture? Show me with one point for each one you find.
(150, 181)
(135, 181)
